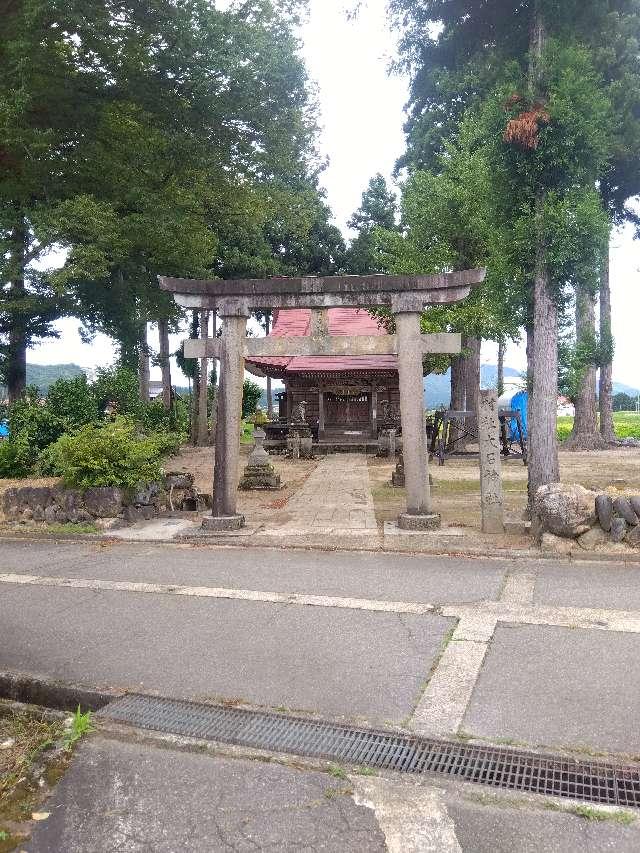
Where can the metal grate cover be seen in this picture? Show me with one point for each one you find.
(596, 782)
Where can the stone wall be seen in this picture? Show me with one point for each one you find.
(55, 504)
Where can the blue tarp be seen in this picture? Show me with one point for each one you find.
(519, 402)
(4, 429)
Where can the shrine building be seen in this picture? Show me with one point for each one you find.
(346, 399)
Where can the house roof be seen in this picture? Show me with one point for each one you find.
(296, 322)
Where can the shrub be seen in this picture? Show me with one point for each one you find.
(112, 454)
(119, 385)
(17, 458)
(73, 401)
(251, 394)
(31, 419)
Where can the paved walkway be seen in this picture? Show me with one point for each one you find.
(335, 498)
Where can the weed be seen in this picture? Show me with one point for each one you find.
(366, 771)
(73, 528)
(3, 835)
(591, 813)
(336, 772)
(332, 793)
(80, 725)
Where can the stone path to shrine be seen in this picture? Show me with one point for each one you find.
(336, 497)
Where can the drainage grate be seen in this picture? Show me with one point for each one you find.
(595, 782)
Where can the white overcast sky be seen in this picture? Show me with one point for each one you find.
(362, 114)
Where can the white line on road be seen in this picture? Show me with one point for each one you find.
(220, 593)
(443, 704)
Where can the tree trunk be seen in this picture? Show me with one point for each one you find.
(472, 375)
(165, 362)
(214, 382)
(203, 403)
(195, 406)
(500, 379)
(544, 467)
(458, 392)
(543, 423)
(585, 435)
(143, 364)
(606, 340)
(472, 384)
(16, 367)
(195, 389)
(267, 329)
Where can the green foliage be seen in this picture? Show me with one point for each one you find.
(623, 402)
(73, 401)
(118, 385)
(32, 428)
(17, 458)
(81, 725)
(377, 211)
(112, 454)
(251, 393)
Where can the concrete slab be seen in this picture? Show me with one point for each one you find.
(498, 829)
(126, 797)
(608, 585)
(334, 662)
(388, 577)
(559, 687)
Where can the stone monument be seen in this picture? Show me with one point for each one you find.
(259, 473)
(491, 497)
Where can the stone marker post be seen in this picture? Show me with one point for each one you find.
(491, 498)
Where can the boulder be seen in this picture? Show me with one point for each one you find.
(618, 529)
(635, 504)
(593, 539)
(103, 501)
(624, 509)
(633, 537)
(552, 544)
(604, 511)
(565, 510)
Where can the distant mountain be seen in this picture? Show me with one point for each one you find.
(44, 375)
(621, 388)
(437, 387)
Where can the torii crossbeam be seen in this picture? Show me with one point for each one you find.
(406, 296)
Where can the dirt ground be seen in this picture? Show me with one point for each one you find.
(259, 507)
(456, 484)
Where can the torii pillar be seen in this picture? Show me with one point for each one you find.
(419, 514)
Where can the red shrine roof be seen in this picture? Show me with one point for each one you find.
(295, 323)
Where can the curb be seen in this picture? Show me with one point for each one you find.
(380, 548)
(63, 696)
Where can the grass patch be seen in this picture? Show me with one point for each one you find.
(34, 754)
(332, 793)
(625, 425)
(336, 772)
(365, 771)
(596, 814)
(69, 527)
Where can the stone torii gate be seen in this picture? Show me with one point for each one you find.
(406, 296)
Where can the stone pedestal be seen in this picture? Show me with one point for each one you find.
(387, 443)
(426, 521)
(397, 478)
(223, 522)
(259, 472)
(300, 442)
